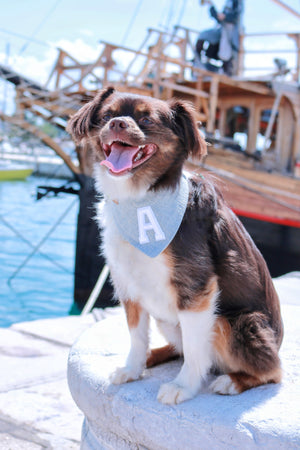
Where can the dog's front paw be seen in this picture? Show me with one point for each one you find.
(125, 374)
(172, 393)
(224, 385)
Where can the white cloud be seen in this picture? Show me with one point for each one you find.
(86, 32)
(38, 68)
(79, 49)
(33, 68)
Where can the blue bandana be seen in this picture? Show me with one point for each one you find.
(150, 223)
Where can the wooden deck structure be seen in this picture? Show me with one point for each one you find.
(268, 107)
(222, 103)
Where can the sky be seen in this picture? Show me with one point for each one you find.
(78, 25)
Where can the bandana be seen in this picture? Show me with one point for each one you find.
(150, 223)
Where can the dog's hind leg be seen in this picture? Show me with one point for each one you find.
(138, 324)
(247, 350)
(172, 350)
(161, 355)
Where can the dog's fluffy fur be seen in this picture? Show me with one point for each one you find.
(210, 290)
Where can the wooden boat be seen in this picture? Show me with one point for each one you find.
(12, 171)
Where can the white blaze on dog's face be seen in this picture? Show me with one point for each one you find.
(139, 142)
(134, 150)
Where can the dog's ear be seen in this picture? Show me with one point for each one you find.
(81, 123)
(186, 127)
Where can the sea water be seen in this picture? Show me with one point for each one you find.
(37, 252)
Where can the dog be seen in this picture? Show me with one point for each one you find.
(176, 251)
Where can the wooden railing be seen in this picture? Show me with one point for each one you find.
(154, 59)
(295, 69)
(190, 36)
(161, 67)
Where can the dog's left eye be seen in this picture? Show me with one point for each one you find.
(106, 117)
(145, 121)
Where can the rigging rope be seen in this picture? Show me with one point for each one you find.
(135, 13)
(28, 38)
(43, 240)
(170, 15)
(19, 235)
(41, 24)
(160, 22)
(181, 13)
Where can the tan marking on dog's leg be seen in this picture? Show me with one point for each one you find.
(133, 312)
(138, 324)
(169, 260)
(221, 345)
(243, 381)
(203, 301)
(222, 332)
(161, 355)
(240, 376)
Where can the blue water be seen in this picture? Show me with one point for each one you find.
(42, 287)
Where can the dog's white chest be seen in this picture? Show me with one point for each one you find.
(138, 277)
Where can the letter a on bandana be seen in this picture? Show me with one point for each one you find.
(146, 222)
(150, 223)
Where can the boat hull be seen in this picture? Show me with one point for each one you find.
(15, 174)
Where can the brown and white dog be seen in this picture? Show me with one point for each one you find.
(206, 285)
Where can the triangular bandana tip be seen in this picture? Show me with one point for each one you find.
(150, 223)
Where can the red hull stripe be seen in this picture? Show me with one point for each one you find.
(264, 218)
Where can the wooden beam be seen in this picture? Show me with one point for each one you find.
(214, 91)
(253, 126)
(287, 8)
(272, 119)
(181, 88)
(57, 109)
(21, 123)
(296, 38)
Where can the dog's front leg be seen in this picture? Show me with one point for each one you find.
(196, 328)
(138, 324)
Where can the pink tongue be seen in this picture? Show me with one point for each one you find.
(120, 158)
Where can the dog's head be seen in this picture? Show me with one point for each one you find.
(140, 143)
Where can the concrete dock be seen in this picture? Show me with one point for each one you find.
(36, 408)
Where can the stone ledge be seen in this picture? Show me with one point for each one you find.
(36, 408)
(60, 331)
(130, 417)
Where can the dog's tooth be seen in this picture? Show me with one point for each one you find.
(138, 156)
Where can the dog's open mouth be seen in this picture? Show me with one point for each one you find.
(122, 157)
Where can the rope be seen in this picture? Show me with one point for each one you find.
(19, 235)
(28, 38)
(41, 24)
(170, 15)
(135, 13)
(181, 13)
(37, 247)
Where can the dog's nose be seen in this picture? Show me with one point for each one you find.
(117, 124)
